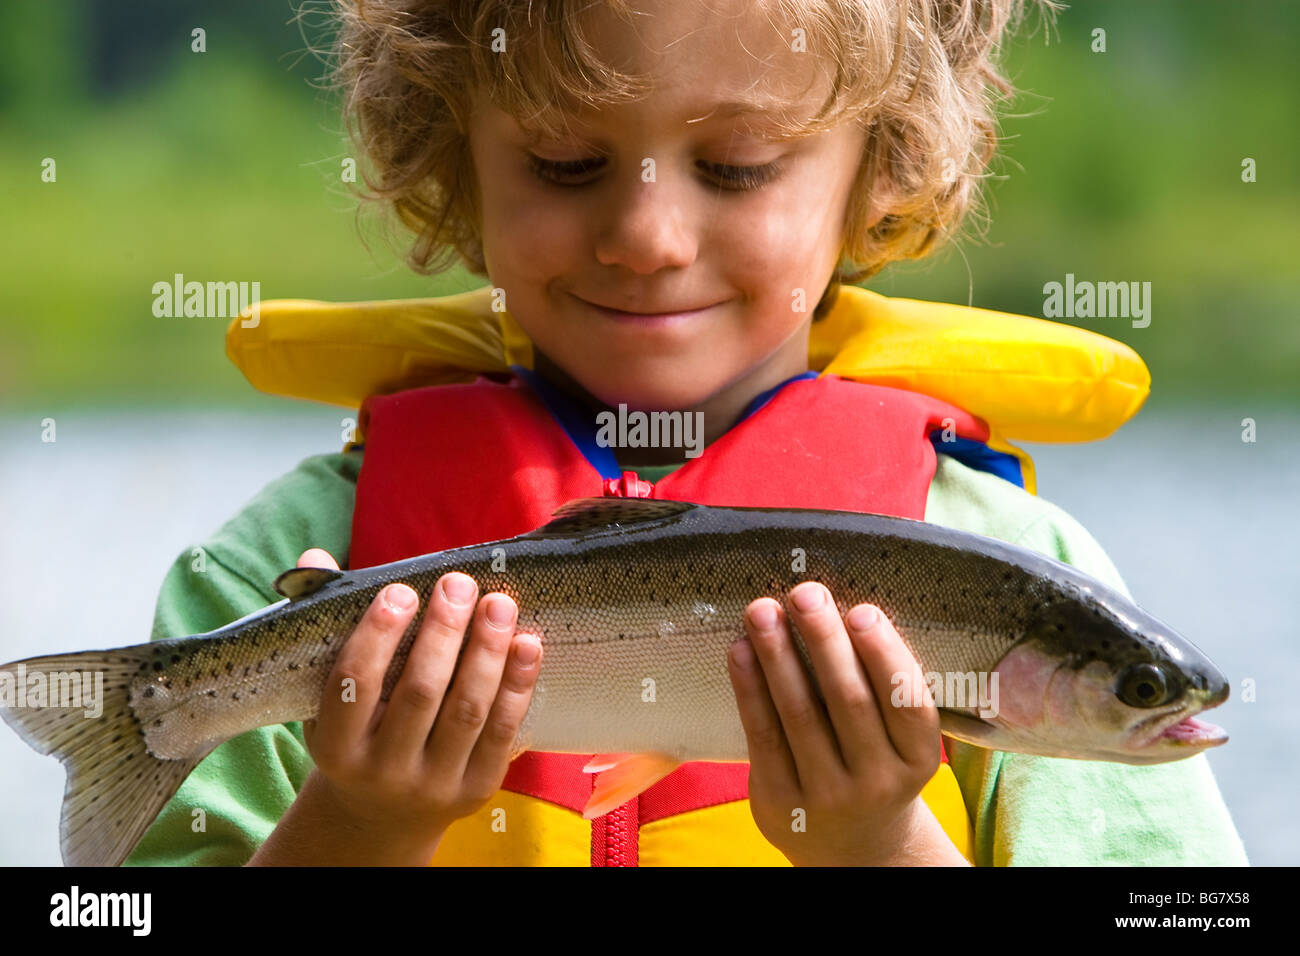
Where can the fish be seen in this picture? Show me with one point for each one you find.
(636, 602)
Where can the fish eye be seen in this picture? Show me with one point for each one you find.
(1146, 685)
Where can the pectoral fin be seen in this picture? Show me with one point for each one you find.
(622, 777)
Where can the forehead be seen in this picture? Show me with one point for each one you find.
(704, 62)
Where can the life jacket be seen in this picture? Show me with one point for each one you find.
(492, 457)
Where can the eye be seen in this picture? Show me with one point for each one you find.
(1147, 685)
(743, 177)
(737, 178)
(555, 171)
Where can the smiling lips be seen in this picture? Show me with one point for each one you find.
(654, 317)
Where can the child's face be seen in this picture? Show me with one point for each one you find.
(684, 240)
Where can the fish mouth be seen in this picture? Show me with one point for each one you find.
(1180, 728)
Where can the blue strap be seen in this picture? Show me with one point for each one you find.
(577, 422)
(979, 456)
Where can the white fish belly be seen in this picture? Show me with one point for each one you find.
(662, 687)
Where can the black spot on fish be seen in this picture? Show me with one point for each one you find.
(212, 693)
(274, 655)
(176, 658)
(235, 696)
(229, 667)
(157, 665)
(148, 692)
(293, 667)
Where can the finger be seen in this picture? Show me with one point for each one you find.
(486, 767)
(909, 713)
(469, 702)
(807, 728)
(345, 720)
(771, 764)
(407, 721)
(846, 690)
(317, 558)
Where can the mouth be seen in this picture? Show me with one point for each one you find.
(1182, 731)
(648, 318)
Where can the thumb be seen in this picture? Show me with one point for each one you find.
(317, 558)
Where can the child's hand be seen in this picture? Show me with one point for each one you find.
(396, 774)
(839, 783)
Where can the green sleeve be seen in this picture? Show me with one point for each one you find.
(246, 784)
(1046, 811)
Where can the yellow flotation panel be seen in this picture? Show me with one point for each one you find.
(1029, 379)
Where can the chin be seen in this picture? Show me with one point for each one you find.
(657, 393)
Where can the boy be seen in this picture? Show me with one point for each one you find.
(649, 246)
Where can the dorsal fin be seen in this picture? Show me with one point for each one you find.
(298, 583)
(585, 515)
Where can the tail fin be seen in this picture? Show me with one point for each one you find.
(115, 787)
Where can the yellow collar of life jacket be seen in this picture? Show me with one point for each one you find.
(1029, 379)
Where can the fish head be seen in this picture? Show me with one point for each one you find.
(1096, 678)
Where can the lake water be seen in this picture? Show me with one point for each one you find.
(1200, 523)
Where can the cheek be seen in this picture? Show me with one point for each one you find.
(1024, 676)
(784, 241)
(528, 232)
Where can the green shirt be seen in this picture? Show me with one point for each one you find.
(1025, 809)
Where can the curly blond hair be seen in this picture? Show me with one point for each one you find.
(920, 75)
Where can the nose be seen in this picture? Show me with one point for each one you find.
(647, 226)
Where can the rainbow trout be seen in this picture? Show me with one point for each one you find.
(636, 602)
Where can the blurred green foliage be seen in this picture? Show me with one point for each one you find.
(1118, 166)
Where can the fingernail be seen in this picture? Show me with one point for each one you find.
(862, 617)
(763, 616)
(527, 651)
(399, 597)
(498, 611)
(459, 589)
(809, 598)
